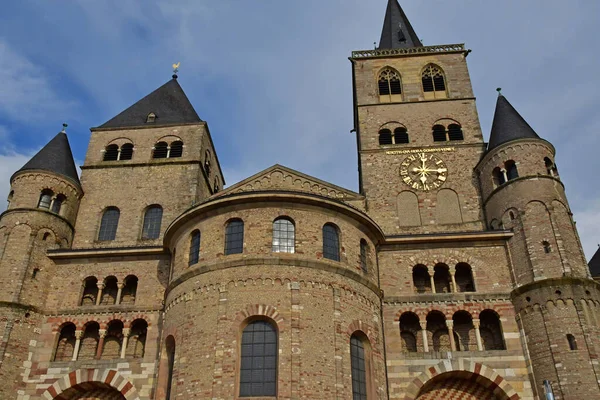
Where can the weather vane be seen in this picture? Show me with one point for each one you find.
(499, 90)
(64, 129)
(175, 70)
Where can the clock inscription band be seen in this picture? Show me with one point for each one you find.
(423, 171)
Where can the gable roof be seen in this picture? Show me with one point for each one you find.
(169, 103)
(56, 156)
(397, 32)
(594, 264)
(283, 178)
(508, 125)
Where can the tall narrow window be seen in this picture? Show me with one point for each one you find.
(434, 83)
(126, 152)
(170, 349)
(109, 224)
(10, 197)
(364, 258)
(455, 132)
(390, 86)
(258, 366)
(152, 222)
(331, 242)
(572, 342)
(207, 162)
(129, 290)
(111, 152)
(511, 170)
(176, 149)
(66, 343)
(439, 133)
(547, 248)
(194, 247)
(359, 369)
(160, 150)
(400, 135)
(45, 199)
(216, 185)
(234, 237)
(284, 236)
(57, 203)
(385, 137)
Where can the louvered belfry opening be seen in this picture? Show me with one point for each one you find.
(385, 137)
(455, 132)
(176, 149)
(126, 152)
(160, 150)
(111, 152)
(400, 135)
(439, 133)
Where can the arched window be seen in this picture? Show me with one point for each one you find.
(89, 341)
(491, 331)
(111, 152)
(216, 185)
(207, 162)
(194, 247)
(439, 133)
(57, 203)
(66, 343)
(129, 291)
(572, 342)
(109, 224)
(90, 291)
(358, 366)
(409, 331)
(400, 135)
(45, 199)
(511, 170)
(10, 197)
(547, 247)
(284, 236)
(151, 118)
(109, 293)
(455, 132)
(126, 152)
(170, 349)
(136, 345)
(234, 237)
(258, 361)
(111, 348)
(421, 279)
(464, 278)
(160, 150)
(176, 150)
(465, 330)
(385, 137)
(364, 256)
(331, 242)
(437, 329)
(389, 84)
(498, 177)
(152, 222)
(434, 82)
(441, 278)
(550, 167)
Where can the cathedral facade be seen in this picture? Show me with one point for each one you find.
(455, 272)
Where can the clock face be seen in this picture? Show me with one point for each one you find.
(423, 171)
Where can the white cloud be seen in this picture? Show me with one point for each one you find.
(9, 164)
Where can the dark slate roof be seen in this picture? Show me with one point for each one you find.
(594, 264)
(168, 102)
(55, 157)
(397, 32)
(508, 125)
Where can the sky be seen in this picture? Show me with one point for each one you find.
(273, 80)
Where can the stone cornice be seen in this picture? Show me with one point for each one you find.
(428, 238)
(62, 254)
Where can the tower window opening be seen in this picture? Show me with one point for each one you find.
(129, 290)
(511, 170)
(109, 224)
(151, 118)
(331, 242)
(10, 197)
(111, 152)
(390, 85)
(34, 273)
(258, 364)
(176, 149)
(194, 255)
(234, 237)
(207, 162)
(216, 185)
(45, 199)
(160, 150)
(400, 136)
(284, 236)
(385, 137)
(455, 132)
(358, 368)
(550, 167)
(57, 203)
(126, 152)
(547, 247)
(152, 222)
(439, 133)
(364, 256)
(434, 82)
(572, 342)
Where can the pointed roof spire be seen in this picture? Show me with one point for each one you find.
(508, 124)
(168, 103)
(55, 157)
(594, 264)
(397, 32)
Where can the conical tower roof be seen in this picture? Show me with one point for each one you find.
(397, 32)
(508, 125)
(594, 264)
(169, 103)
(55, 157)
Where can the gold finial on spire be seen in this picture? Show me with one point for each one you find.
(175, 70)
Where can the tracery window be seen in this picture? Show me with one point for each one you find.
(234, 237)
(258, 364)
(390, 85)
(284, 236)
(109, 224)
(152, 222)
(331, 242)
(194, 247)
(434, 82)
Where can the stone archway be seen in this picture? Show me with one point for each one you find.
(92, 384)
(462, 379)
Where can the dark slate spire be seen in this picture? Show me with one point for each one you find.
(594, 264)
(397, 32)
(169, 103)
(55, 157)
(508, 125)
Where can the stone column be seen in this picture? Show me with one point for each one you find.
(424, 336)
(504, 175)
(126, 333)
(450, 325)
(100, 344)
(99, 295)
(476, 324)
(454, 287)
(120, 289)
(432, 283)
(78, 336)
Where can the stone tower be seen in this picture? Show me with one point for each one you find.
(43, 202)
(522, 192)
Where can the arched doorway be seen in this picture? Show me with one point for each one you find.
(460, 385)
(91, 391)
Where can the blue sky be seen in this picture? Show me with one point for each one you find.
(273, 80)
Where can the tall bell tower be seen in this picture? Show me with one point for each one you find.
(418, 132)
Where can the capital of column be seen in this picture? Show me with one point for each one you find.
(78, 334)
(100, 285)
(476, 323)
(126, 332)
(102, 333)
(120, 285)
(423, 325)
(449, 323)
